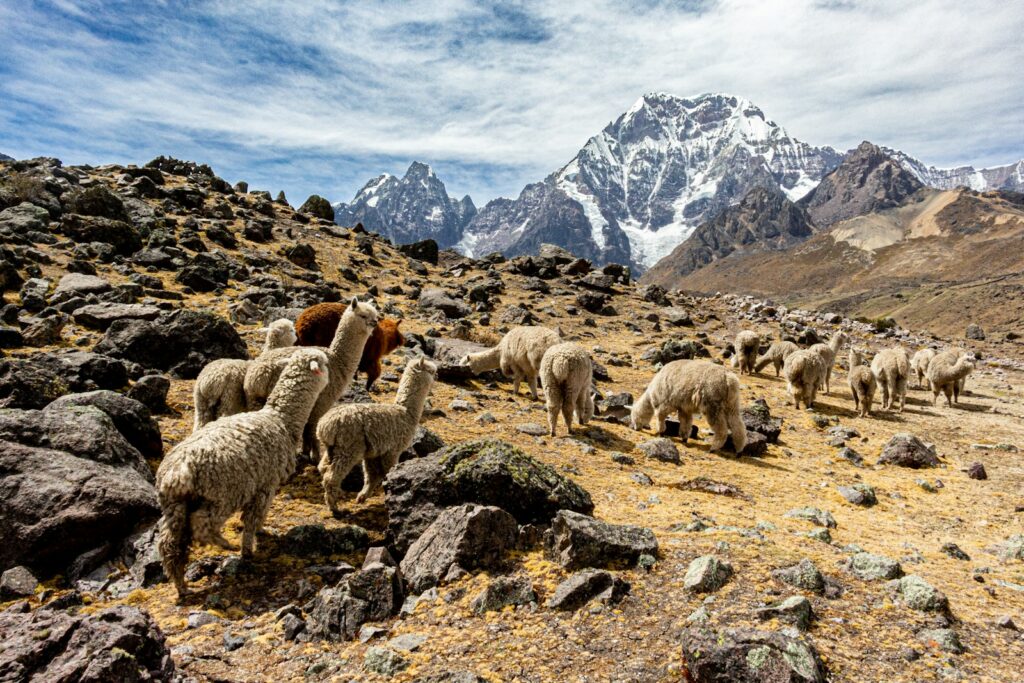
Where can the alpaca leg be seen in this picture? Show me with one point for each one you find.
(812, 393)
(660, 415)
(948, 390)
(517, 378)
(794, 394)
(956, 392)
(737, 429)
(885, 395)
(173, 543)
(901, 390)
(778, 367)
(685, 425)
(340, 464)
(554, 398)
(581, 406)
(856, 400)
(372, 373)
(253, 514)
(567, 410)
(720, 429)
(208, 527)
(373, 475)
(532, 381)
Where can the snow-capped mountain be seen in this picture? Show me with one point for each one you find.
(1009, 177)
(649, 178)
(408, 209)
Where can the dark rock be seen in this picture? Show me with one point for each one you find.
(580, 541)
(487, 472)
(101, 316)
(660, 449)
(115, 644)
(470, 536)
(435, 299)
(517, 315)
(586, 585)
(77, 284)
(131, 418)
(424, 442)
(370, 594)
(205, 272)
(10, 337)
(592, 302)
(955, 551)
(424, 250)
(121, 236)
(24, 218)
(151, 391)
(34, 382)
(974, 332)
(675, 349)
(308, 540)
(180, 342)
(859, 494)
(448, 355)
(804, 575)
(504, 591)
(976, 470)
(739, 654)
(17, 582)
(303, 255)
(906, 450)
(97, 201)
(795, 610)
(45, 331)
(758, 418)
(318, 207)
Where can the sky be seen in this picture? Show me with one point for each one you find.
(319, 96)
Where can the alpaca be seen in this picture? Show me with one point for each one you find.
(946, 373)
(746, 346)
(218, 391)
(567, 373)
(372, 433)
(384, 339)
(919, 365)
(346, 348)
(862, 384)
(828, 353)
(804, 372)
(776, 355)
(891, 368)
(686, 387)
(518, 354)
(235, 463)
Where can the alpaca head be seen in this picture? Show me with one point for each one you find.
(363, 315)
(389, 336)
(641, 413)
(281, 333)
(303, 378)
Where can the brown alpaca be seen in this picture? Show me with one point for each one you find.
(315, 326)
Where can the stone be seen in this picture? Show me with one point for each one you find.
(121, 236)
(675, 349)
(869, 567)
(859, 494)
(486, 472)
(311, 540)
(17, 582)
(118, 643)
(318, 207)
(851, 456)
(945, 639)
(1012, 548)
(804, 575)
(794, 610)
(100, 316)
(906, 450)
(371, 594)
(151, 391)
(532, 429)
(179, 342)
(813, 515)
(448, 355)
(384, 661)
(471, 536)
(201, 618)
(740, 654)
(920, 595)
(408, 642)
(954, 551)
(578, 541)
(205, 272)
(583, 586)
(974, 332)
(424, 250)
(976, 470)
(303, 255)
(25, 217)
(46, 331)
(707, 574)
(79, 284)
(758, 418)
(131, 418)
(436, 299)
(10, 337)
(660, 449)
(504, 591)
(291, 626)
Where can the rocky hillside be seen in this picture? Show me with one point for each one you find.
(833, 548)
(408, 209)
(1009, 177)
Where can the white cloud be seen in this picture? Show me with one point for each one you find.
(451, 82)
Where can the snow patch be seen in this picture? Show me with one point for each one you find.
(650, 246)
(591, 210)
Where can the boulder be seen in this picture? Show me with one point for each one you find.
(373, 593)
(120, 235)
(100, 316)
(448, 355)
(303, 255)
(35, 382)
(675, 349)
(79, 284)
(814, 515)
(205, 272)
(45, 331)
(23, 218)
(318, 207)
(17, 582)
(974, 332)
(503, 592)
(436, 299)
(794, 610)
(906, 450)
(583, 586)
(870, 567)
(97, 200)
(424, 250)
(804, 575)
(151, 391)
(920, 595)
(859, 494)
(308, 540)
(179, 342)
(130, 417)
(487, 472)
(741, 654)
(577, 540)
(706, 574)
(470, 536)
(758, 418)
(660, 449)
(119, 643)
(59, 505)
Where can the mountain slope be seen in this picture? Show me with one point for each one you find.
(409, 209)
(1009, 177)
(765, 220)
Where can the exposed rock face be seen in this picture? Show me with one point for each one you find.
(586, 585)
(116, 644)
(580, 541)
(409, 209)
(504, 591)
(765, 220)
(487, 472)
(750, 655)
(35, 382)
(867, 180)
(1008, 177)
(373, 593)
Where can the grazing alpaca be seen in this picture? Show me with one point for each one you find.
(372, 433)
(946, 373)
(862, 384)
(685, 387)
(746, 347)
(235, 463)
(828, 354)
(919, 365)
(804, 371)
(518, 354)
(891, 368)
(567, 372)
(776, 355)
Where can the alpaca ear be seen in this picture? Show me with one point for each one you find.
(354, 303)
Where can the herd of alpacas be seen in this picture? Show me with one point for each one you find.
(254, 418)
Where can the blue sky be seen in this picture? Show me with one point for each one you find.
(320, 96)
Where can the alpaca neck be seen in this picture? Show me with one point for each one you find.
(346, 348)
(836, 342)
(486, 360)
(854, 359)
(294, 402)
(412, 394)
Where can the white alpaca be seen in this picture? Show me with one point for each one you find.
(862, 384)
(828, 353)
(518, 354)
(235, 463)
(946, 374)
(685, 387)
(746, 346)
(346, 349)
(219, 391)
(919, 365)
(372, 433)
(804, 372)
(776, 355)
(567, 373)
(891, 368)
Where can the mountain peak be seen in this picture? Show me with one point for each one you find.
(418, 169)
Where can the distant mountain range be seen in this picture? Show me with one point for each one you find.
(643, 185)
(4, 157)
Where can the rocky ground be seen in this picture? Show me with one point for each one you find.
(817, 554)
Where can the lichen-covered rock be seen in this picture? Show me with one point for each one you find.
(859, 494)
(814, 515)
(308, 540)
(373, 593)
(804, 575)
(586, 585)
(748, 655)
(317, 206)
(870, 567)
(706, 574)
(919, 594)
(758, 418)
(487, 472)
(661, 449)
(794, 610)
(504, 591)
(906, 450)
(36, 381)
(578, 541)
